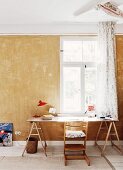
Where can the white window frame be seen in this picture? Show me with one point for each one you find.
(74, 64)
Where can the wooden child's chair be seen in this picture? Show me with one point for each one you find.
(75, 135)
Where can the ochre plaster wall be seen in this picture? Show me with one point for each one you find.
(119, 55)
(30, 71)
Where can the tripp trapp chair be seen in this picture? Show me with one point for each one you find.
(75, 136)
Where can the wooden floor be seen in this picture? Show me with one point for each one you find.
(114, 158)
(10, 158)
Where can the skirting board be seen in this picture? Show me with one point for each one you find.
(61, 143)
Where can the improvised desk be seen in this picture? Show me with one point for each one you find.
(109, 123)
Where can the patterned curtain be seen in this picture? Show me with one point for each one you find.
(106, 75)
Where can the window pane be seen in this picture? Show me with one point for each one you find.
(72, 51)
(71, 89)
(89, 51)
(90, 86)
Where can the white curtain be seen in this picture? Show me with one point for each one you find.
(106, 103)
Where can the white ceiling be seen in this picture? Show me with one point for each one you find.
(49, 11)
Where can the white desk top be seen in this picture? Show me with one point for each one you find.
(69, 119)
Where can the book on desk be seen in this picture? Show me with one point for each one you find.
(47, 117)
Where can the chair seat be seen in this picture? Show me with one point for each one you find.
(74, 134)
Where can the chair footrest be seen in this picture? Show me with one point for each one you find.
(112, 134)
(74, 157)
(74, 147)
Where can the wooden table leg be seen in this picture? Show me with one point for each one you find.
(108, 133)
(106, 123)
(98, 133)
(111, 124)
(44, 148)
(116, 133)
(28, 138)
(43, 136)
(34, 126)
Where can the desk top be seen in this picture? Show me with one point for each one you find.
(70, 119)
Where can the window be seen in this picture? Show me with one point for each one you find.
(78, 73)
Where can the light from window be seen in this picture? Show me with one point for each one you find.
(72, 87)
(90, 86)
(89, 49)
(78, 74)
(72, 51)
